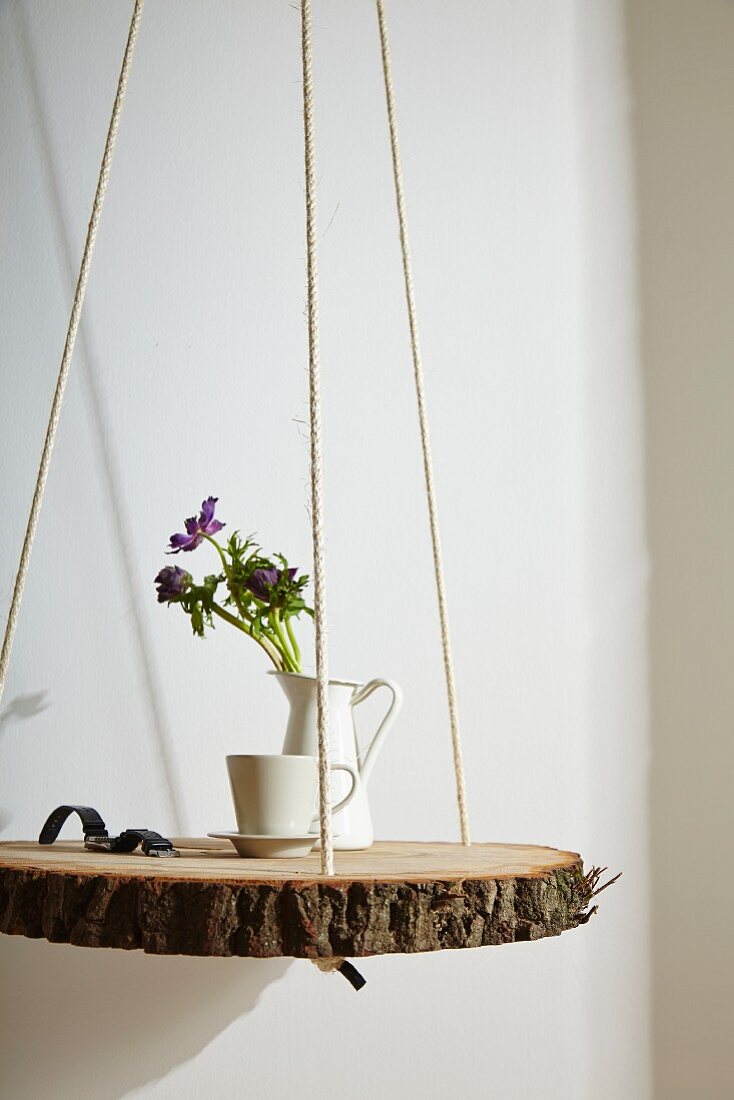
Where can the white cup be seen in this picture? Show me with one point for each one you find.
(278, 795)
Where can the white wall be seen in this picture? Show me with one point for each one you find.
(189, 379)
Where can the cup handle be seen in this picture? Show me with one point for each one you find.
(355, 780)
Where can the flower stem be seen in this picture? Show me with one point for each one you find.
(291, 659)
(273, 641)
(264, 643)
(294, 643)
(230, 587)
(219, 550)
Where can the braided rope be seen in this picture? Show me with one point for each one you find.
(425, 436)
(317, 509)
(71, 334)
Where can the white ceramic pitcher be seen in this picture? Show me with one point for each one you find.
(352, 825)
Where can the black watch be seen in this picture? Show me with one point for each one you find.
(97, 839)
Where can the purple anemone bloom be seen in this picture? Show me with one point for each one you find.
(263, 581)
(172, 582)
(206, 524)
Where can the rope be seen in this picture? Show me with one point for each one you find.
(425, 436)
(317, 509)
(71, 334)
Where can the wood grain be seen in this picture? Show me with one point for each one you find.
(394, 897)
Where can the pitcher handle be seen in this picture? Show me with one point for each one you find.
(367, 763)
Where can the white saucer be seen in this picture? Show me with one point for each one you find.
(268, 847)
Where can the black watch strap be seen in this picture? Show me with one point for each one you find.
(97, 839)
(92, 823)
(153, 844)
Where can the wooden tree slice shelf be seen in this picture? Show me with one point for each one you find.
(396, 897)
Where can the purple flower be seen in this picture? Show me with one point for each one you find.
(206, 524)
(172, 582)
(262, 581)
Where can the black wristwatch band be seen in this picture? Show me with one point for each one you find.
(92, 823)
(153, 844)
(97, 839)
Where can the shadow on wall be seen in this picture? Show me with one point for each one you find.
(682, 79)
(108, 1022)
(87, 362)
(20, 709)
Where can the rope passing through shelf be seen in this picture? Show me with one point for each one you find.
(317, 508)
(71, 334)
(424, 431)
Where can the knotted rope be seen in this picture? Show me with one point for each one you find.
(448, 663)
(71, 334)
(317, 507)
